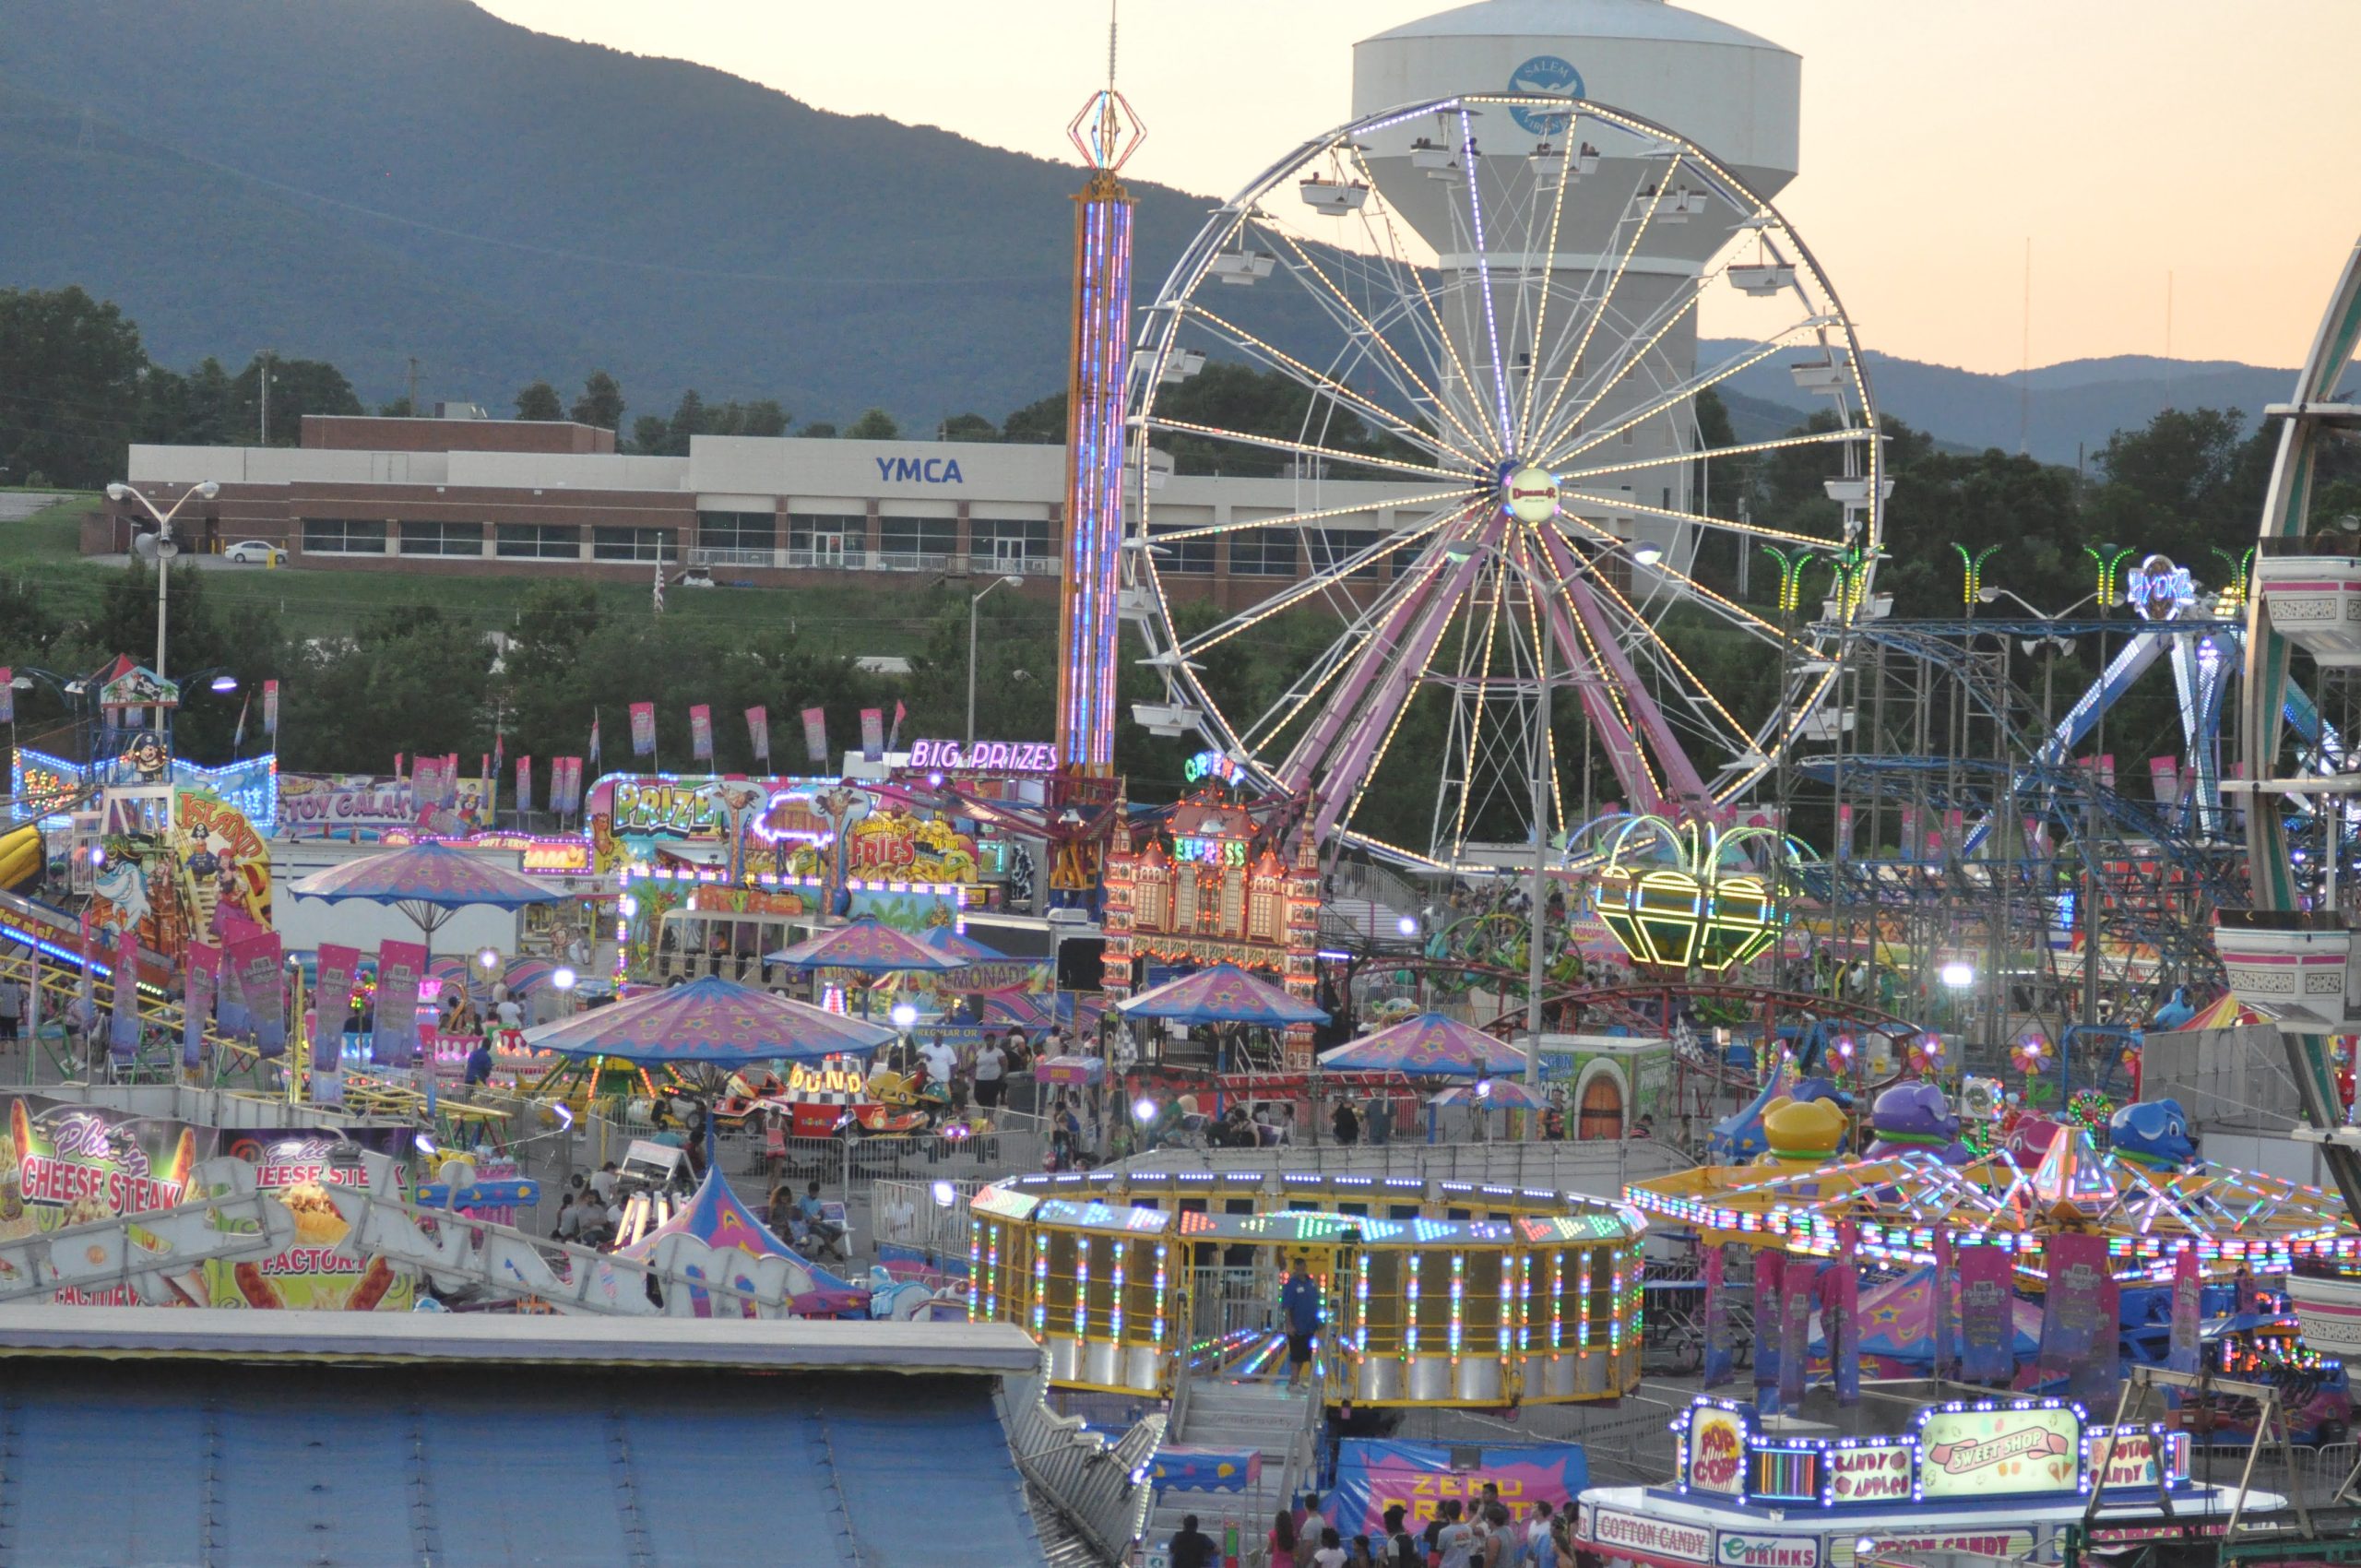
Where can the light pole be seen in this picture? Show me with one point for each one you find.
(1012, 580)
(166, 547)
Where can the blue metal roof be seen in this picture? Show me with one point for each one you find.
(158, 1463)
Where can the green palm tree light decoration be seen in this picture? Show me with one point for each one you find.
(2234, 593)
(1791, 576)
(2110, 559)
(1852, 580)
(1973, 565)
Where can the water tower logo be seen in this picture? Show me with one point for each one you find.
(1545, 73)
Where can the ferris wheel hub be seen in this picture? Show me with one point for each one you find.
(1530, 493)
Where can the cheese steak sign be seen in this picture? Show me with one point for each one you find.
(1651, 1537)
(1996, 1453)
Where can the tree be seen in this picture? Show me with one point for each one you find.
(763, 417)
(2190, 480)
(874, 424)
(601, 402)
(396, 408)
(1042, 423)
(650, 435)
(539, 401)
(688, 420)
(71, 367)
(967, 427)
(297, 387)
(818, 430)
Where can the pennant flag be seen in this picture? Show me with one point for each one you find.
(123, 1028)
(239, 738)
(197, 1005)
(815, 735)
(700, 732)
(524, 785)
(271, 708)
(643, 728)
(594, 739)
(7, 695)
(400, 967)
(332, 1002)
(872, 735)
(263, 981)
(900, 713)
(758, 730)
(499, 751)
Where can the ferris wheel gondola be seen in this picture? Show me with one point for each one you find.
(1497, 489)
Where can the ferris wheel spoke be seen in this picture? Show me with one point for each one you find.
(1303, 264)
(1324, 386)
(1624, 505)
(1471, 713)
(1844, 436)
(1730, 610)
(1679, 773)
(1298, 448)
(1666, 400)
(1606, 298)
(1675, 309)
(1671, 665)
(1332, 575)
(1296, 519)
(1541, 302)
(1484, 265)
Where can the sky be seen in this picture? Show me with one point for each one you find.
(2148, 149)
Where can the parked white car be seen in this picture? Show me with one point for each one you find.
(256, 553)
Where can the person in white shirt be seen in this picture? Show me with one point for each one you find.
(940, 1060)
(511, 1016)
(991, 1074)
(602, 1182)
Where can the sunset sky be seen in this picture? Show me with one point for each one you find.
(2215, 143)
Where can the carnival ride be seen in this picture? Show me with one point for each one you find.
(1493, 477)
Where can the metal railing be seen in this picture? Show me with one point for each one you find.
(719, 556)
(916, 1215)
(1597, 1167)
(908, 561)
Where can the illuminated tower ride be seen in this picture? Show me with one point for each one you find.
(1107, 131)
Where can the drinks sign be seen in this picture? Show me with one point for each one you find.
(2000, 1453)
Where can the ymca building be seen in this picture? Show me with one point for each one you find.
(531, 497)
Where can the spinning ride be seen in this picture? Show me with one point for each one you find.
(1498, 482)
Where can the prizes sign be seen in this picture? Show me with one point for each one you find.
(2000, 1453)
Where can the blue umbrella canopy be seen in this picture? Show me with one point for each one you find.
(1430, 1045)
(1223, 994)
(709, 1022)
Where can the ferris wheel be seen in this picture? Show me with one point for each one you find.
(1493, 489)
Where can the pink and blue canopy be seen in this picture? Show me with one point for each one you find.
(870, 946)
(716, 1218)
(1429, 1046)
(1223, 994)
(709, 1022)
(434, 875)
(946, 939)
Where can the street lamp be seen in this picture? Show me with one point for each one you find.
(1012, 580)
(1993, 595)
(166, 546)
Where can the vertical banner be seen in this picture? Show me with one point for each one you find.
(263, 980)
(524, 786)
(872, 735)
(594, 740)
(758, 730)
(1907, 841)
(2078, 1323)
(1795, 1292)
(331, 1002)
(700, 732)
(2188, 1292)
(230, 1015)
(815, 735)
(197, 1002)
(1844, 833)
(123, 1027)
(7, 695)
(1988, 1340)
(643, 728)
(893, 741)
(1770, 1271)
(400, 967)
(1721, 1361)
(1942, 1332)
(271, 708)
(1840, 1313)
(572, 801)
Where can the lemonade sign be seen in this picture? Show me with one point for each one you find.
(1997, 1453)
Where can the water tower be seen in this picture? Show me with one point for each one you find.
(1725, 90)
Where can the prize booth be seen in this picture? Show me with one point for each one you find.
(1437, 1293)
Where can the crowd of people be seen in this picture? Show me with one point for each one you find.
(1486, 1535)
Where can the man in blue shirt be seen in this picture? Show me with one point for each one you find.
(1299, 1305)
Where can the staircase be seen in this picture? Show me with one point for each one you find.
(1236, 1416)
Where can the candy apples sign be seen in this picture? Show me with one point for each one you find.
(1716, 1450)
(1995, 1453)
(1873, 1473)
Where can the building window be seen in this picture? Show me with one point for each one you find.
(442, 539)
(643, 545)
(1332, 547)
(1262, 552)
(1013, 540)
(917, 544)
(1194, 556)
(343, 536)
(822, 538)
(539, 541)
(741, 533)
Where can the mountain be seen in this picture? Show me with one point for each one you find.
(366, 180)
(2066, 410)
